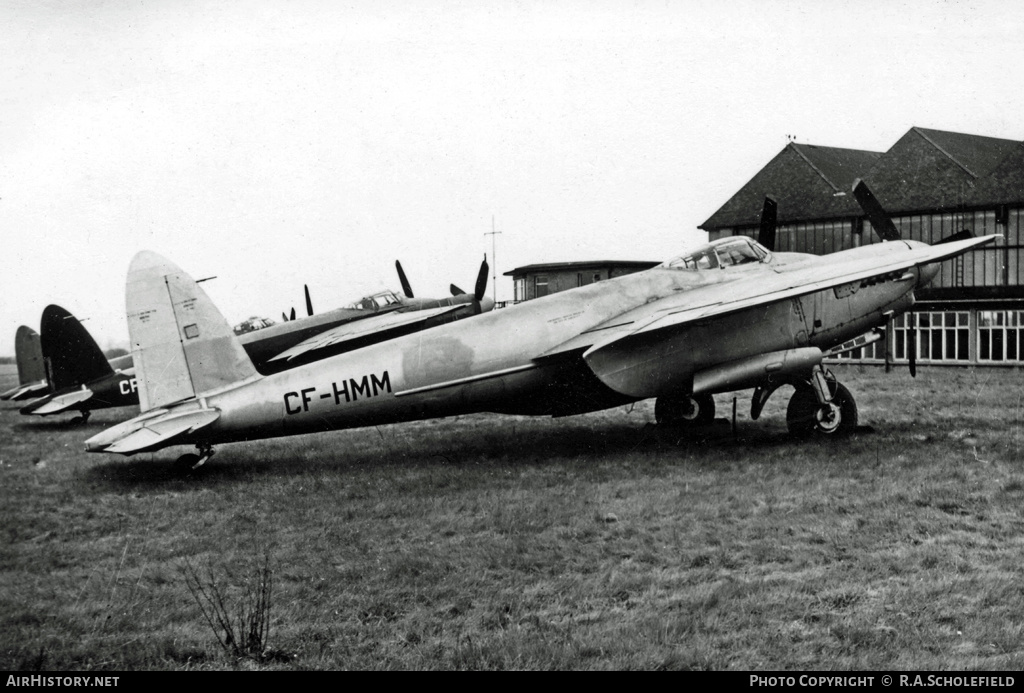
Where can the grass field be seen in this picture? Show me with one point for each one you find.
(495, 542)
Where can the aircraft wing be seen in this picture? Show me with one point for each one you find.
(752, 290)
(609, 347)
(762, 290)
(379, 328)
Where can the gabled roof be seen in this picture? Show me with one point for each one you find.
(807, 182)
(925, 170)
(1005, 184)
(932, 169)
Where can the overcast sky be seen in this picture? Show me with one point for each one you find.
(275, 144)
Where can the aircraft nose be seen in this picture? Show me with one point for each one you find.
(486, 304)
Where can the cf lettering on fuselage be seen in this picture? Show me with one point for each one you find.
(128, 386)
(345, 391)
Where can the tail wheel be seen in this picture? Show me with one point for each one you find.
(690, 410)
(805, 416)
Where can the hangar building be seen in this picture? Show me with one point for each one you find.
(933, 184)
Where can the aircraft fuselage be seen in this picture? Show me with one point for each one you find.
(489, 363)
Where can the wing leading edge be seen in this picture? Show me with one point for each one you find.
(615, 346)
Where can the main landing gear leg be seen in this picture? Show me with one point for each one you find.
(821, 405)
(190, 462)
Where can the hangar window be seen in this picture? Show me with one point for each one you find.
(999, 335)
(940, 336)
(540, 285)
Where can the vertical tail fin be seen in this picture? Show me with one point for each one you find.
(71, 355)
(181, 344)
(29, 354)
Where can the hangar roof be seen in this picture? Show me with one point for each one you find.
(807, 182)
(924, 170)
(576, 266)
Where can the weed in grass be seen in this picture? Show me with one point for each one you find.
(241, 622)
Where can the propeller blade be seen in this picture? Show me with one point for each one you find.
(881, 222)
(888, 343)
(309, 303)
(912, 345)
(766, 236)
(284, 318)
(406, 287)
(958, 236)
(456, 291)
(481, 281)
(293, 313)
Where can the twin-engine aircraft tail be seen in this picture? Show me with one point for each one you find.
(31, 371)
(183, 349)
(71, 355)
(181, 344)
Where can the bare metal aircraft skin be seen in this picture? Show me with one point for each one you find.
(729, 315)
(82, 381)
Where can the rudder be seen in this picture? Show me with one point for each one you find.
(28, 352)
(181, 344)
(71, 356)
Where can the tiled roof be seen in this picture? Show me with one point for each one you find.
(925, 170)
(807, 182)
(1005, 184)
(931, 169)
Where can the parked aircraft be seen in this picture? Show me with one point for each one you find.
(79, 377)
(83, 381)
(728, 315)
(31, 373)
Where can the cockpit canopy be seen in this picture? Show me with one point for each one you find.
(725, 252)
(384, 299)
(252, 324)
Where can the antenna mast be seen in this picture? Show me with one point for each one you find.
(494, 259)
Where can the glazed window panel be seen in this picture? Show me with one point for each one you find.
(999, 335)
(940, 336)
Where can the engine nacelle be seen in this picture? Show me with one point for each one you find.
(775, 367)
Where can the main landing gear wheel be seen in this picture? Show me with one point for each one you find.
(188, 463)
(687, 411)
(805, 416)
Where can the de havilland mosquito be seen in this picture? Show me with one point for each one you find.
(729, 315)
(74, 375)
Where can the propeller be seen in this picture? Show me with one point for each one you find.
(766, 236)
(309, 303)
(481, 281)
(962, 235)
(887, 231)
(406, 287)
(284, 317)
(912, 345)
(880, 221)
(293, 313)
